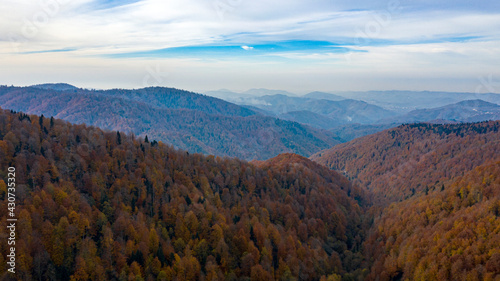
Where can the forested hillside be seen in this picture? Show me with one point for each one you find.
(186, 120)
(398, 163)
(450, 233)
(162, 97)
(436, 195)
(104, 205)
(96, 205)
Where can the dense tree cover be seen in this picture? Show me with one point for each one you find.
(400, 162)
(186, 120)
(448, 234)
(159, 97)
(436, 196)
(353, 131)
(163, 97)
(104, 205)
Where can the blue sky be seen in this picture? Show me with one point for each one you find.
(298, 46)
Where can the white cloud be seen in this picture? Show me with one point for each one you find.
(155, 24)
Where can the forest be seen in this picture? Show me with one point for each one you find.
(103, 205)
(398, 163)
(416, 202)
(435, 194)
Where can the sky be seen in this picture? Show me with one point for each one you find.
(292, 45)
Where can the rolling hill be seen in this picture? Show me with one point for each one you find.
(197, 123)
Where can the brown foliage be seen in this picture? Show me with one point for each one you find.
(96, 206)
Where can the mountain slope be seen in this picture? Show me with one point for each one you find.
(399, 162)
(144, 112)
(436, 195)
(451, 233)
(96, 205)
(349, 132)
(162, 97)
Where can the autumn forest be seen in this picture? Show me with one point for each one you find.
(416, 202)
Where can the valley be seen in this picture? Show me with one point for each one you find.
(138, 185)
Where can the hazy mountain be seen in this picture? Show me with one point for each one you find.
(56, 86)
(346, 111)
(464, 111)
(227, 95)
(260, 110)
(323, 96)
(208, 125)
(355, 111)
(311, 119)
(249, 97)
(266, 92)
(406, 101)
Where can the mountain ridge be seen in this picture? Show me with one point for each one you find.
(248, 136)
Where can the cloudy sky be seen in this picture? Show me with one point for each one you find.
(299, 46)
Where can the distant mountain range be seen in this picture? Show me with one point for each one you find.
(322, 113)
(245, 97)
(324, 96)
(464, 111)
(406, 101)
(263, 124)
(355, 114)
(197, 123)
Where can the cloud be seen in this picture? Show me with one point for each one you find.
(429, 37)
